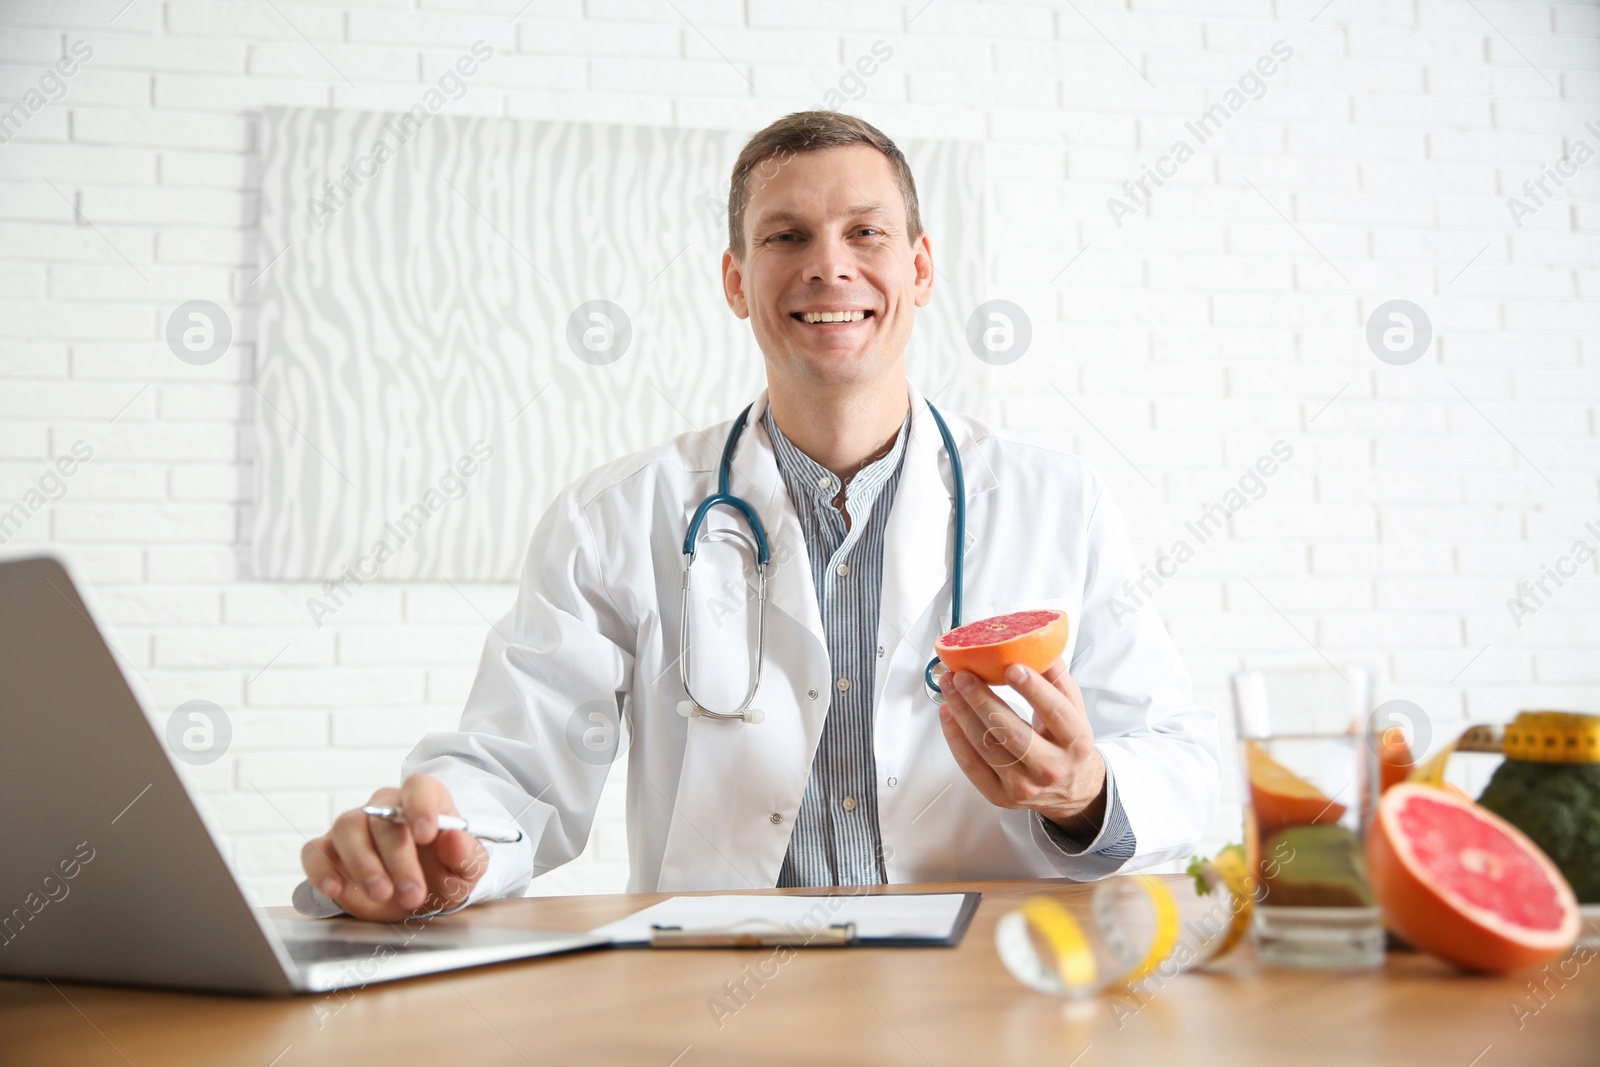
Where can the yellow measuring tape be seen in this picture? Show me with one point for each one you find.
(1071, 968)
(1074, 961)
(1533, 736)
(1553, 737)
(1166, 923)
(1230, 869)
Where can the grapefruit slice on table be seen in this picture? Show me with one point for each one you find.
(1456, 880)
(987, 647)
(1282, 798)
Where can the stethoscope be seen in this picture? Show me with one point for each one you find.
(692, 708)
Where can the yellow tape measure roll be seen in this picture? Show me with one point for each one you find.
(1070, 967)
(1047, 948)
(1533, 736)
(1163, 937)
(1553, 737)
(1229, 870)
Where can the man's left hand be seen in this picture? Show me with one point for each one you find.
(1051, 766)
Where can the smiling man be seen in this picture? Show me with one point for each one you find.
(842, 771)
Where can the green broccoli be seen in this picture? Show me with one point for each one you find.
(1558, 806)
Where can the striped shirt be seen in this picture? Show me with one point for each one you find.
(836, 838)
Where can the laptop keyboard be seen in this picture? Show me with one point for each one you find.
(307, 951)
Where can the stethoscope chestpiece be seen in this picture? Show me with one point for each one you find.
(932, 677)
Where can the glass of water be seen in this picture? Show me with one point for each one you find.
(1311, 789)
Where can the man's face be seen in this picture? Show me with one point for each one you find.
(826, 232)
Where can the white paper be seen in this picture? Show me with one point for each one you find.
(917, 915)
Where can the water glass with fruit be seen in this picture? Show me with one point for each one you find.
(1311, 784)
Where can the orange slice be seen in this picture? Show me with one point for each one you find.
(1281, 797)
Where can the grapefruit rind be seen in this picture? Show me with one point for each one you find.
(1435, 918)
(987, 647)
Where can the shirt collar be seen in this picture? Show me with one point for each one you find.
(823, 485)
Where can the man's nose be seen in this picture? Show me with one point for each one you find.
(831, 260)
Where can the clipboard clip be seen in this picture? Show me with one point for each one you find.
(740, 935)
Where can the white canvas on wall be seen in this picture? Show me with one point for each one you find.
(460, 315)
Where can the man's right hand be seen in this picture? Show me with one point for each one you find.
(376, 869)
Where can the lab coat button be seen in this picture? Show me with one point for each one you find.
(812, 693)
(848, 803)
(893, 781)
(775, 818)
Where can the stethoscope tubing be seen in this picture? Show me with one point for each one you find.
(692, 707)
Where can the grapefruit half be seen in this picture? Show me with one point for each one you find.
(987, 647)
(1456, 880)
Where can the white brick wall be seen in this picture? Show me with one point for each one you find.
(1203, 329)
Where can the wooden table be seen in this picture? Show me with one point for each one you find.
(851, 1006)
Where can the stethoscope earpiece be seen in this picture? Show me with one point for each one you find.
(690, 710)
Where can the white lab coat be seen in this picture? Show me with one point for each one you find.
(711, 805)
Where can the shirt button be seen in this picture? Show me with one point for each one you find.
(848, 803)
(824, 483)
(812, 693)
(842, 684)
(775, 818)
(842, 569)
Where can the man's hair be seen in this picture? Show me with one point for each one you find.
(810, 131)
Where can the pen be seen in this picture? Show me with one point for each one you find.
(483, 831)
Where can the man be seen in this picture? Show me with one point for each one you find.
(853, 776)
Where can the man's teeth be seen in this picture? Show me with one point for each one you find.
(832, 316)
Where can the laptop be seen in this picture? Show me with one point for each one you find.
(109, 872)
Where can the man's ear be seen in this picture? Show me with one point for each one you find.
(733, 285)
(922, 251)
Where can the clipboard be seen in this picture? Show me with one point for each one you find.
(882, 920)
(741, 935)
